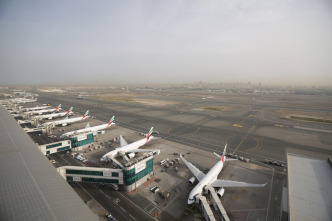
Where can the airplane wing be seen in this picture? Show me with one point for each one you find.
(197, 173)
(122, 142)
(229, 183)
(140, 150)
(114, 160)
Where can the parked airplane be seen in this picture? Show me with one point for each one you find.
(89, 129)
(24, 100)
(54, 115)
(129, 149)
(40, 112)
(66, 121)
(35, 108)
(210, 179)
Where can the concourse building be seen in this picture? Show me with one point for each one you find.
(130, 175)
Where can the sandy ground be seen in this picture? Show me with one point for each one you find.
(132, 99)
(287, 114)
(216, 108)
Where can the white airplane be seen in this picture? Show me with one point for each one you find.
(129, 149)
(40, 112)
(24, 100)
(54, 115)
(89, 129)
(210, 179)
(66, 121)
(35, 108)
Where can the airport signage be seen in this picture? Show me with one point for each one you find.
(77, 179)
(139, 167)
(53, 150)
(107, 173)
(82, 137)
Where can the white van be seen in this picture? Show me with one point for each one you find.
(114, 186)
(163, 161)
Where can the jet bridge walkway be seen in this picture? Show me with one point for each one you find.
(217, 203)
(205, 207)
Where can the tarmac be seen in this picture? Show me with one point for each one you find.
(252, 130)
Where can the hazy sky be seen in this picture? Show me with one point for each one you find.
(107, 41)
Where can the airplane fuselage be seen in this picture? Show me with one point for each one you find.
(35, 108)
(65, 121)
(42, 111)
(90, 129)
(62, 114)
(129, 147)
(211, 176)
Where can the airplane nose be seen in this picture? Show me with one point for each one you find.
(190, 201)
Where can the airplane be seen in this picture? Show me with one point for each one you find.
(89, 129)
(129, 149)
(54, 115)
(35, 108)
(24, 100)
(40, 112)
(210, 179)
(66, 121)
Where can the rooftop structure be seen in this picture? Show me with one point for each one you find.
(31, 188)
(310, 192)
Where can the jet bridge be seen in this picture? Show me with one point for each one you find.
(216, 203)
(205, 207)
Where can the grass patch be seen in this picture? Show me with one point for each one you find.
(311, 119)
(212, 108)
(113, 99)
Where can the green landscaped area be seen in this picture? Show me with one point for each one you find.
(212, 108)
(311, 119)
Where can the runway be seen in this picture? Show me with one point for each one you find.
(250, 131)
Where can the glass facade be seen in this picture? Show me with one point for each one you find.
(54, 145)
(115, 174)
(83, 172)
(69, 178)
(96, 180)
(63, 148)
(75, 143)
(129, 176)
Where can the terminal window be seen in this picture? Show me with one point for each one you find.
(53, 145)
(84, 172)
(97, 180)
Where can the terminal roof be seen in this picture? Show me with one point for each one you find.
(31, 188)
(310, 192)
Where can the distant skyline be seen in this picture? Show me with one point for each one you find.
(81, 41)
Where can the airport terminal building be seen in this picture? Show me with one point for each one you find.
(131, 175)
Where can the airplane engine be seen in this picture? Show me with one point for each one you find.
(50, 118)
(192, 180)
(121, 153)
(221, 192)
(131, 155)
(64, 124)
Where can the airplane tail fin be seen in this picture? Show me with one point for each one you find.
(85, 115)
(149, 134)
(223, 158)
(70, 110)
(57, 108)
(111, 121)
